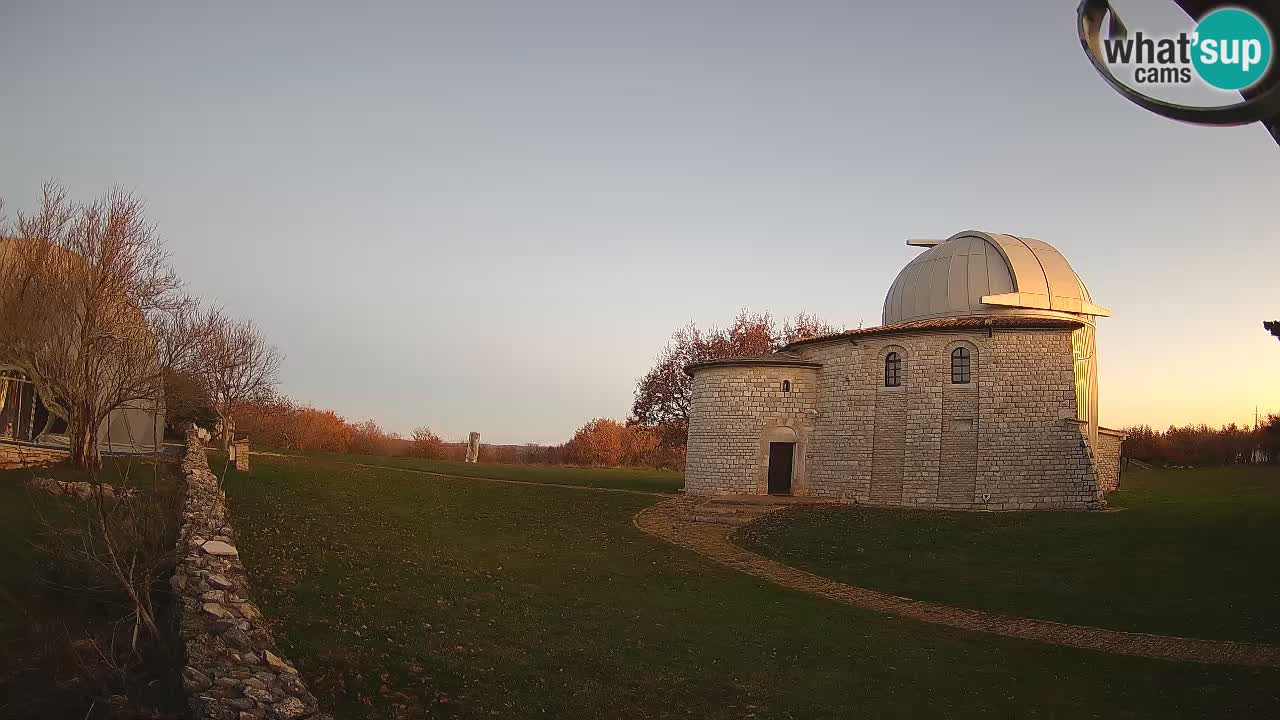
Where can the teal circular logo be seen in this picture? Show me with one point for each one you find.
(1232, 49)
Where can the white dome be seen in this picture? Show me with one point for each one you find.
(977, 273)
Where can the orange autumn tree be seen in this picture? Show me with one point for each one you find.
(310, 428)
(598, 443)
(604, 442)
(426, 444)
(281, 423)
(640, 446)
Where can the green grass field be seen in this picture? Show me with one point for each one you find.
(401, 595)
(1191, 553)
(659, 481)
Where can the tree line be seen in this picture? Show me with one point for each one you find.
(1201, 445)
(654, 435)
(280, 423)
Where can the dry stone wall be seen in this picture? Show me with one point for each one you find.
(233, 671)
(19, 455)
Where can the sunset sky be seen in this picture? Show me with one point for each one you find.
(491, 215)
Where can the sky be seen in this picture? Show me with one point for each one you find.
(491, 216)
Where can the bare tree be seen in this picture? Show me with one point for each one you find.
(184, 337)
(83, 289)
(92, 312)
(117, 543)
(241, 367)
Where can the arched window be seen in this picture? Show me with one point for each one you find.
(960, 366)
(786, 386)
(892, 370)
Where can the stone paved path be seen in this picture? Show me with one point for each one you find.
(671, 521)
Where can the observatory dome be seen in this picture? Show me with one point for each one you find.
(975, 273)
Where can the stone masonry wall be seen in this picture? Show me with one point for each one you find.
(850, 449)
(733, 410)
(232, 671)
(915, 444)
(1008, 440)
(21, 455)
(1108, 458)
(1033, 454)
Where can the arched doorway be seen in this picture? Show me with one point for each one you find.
(782, 459)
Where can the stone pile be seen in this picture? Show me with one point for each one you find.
(232, 671)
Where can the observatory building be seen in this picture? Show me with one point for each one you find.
(979, 391)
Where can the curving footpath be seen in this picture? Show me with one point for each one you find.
(670, 521)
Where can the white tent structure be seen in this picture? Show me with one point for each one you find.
(137, 426)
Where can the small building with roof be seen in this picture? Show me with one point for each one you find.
(979, 391)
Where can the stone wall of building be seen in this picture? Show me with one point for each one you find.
(915, 444)
(233, 670)
(734, 412)
(22, 455)
(847, 443)
(1007, 440)
(958, 447)
(1107, 457)
(1033, 453)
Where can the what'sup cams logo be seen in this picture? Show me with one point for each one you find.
(1229, 49)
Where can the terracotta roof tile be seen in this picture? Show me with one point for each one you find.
(783, 358)
(952, 323)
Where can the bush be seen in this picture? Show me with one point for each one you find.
(368, 438)
(426, 444)
(603, 442)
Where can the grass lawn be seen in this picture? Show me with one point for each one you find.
(1192, 553)
(406, 596)
(45, 608)
(662, 481)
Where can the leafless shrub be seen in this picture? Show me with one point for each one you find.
(109, 549)
(241, 367)
(123, 541)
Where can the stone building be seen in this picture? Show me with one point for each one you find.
(979, 391)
